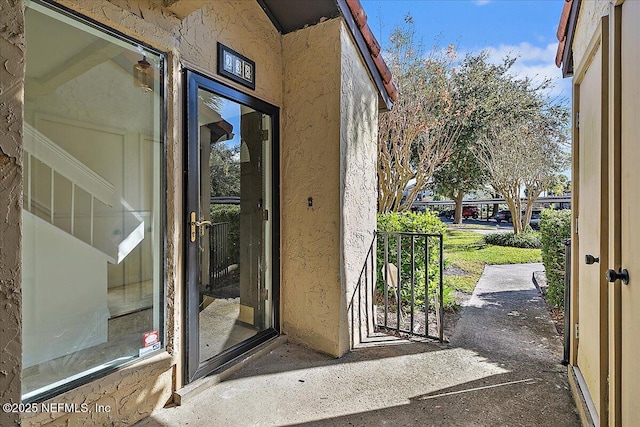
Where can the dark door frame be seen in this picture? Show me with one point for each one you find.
(194, 81)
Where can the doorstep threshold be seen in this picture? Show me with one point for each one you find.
(193, 389)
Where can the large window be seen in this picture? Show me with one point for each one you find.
(92, 218)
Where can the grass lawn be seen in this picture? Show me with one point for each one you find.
(465, 255)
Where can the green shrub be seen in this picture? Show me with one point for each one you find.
(529, 240)
(555, 226)
(428, 223)
(230, 214)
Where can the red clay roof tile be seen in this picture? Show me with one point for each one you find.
(360, 17)
(561, 34)
(560, 52)
(564, 20)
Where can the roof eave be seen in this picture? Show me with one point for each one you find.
(385, 93)
(567, 56)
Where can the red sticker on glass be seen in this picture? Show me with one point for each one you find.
(150, 338)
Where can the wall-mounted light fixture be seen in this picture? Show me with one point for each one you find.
(143, 75)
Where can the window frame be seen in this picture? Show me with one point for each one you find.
(94, 373)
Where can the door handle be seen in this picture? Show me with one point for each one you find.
(590, 259)
(194, 223)
(621, 274)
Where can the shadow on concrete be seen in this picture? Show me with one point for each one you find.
(501, 368)
(499, 400)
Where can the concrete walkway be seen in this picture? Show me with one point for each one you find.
(501, 369)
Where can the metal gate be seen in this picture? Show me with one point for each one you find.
(402, 285)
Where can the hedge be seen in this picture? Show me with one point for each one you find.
(426, 222)
(529, 240)
(555, 227)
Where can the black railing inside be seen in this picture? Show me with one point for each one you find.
(401, 286)
(219, 254)
(409, 289)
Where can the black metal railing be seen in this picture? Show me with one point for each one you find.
(400, 288)
(219, 256)
(361, 302)
(409, 289)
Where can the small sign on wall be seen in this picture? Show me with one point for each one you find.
(236, 67)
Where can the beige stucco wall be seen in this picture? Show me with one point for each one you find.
(11, 113)
(241, 25)
(189, 41)
(328, 151)
(591, 12)
(310, 167)
(328, 136)
(130, 394)
(358, 157)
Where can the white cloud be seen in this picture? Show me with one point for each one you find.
(535, 62)
(481, 2)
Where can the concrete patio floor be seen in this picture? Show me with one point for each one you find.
(500, 369)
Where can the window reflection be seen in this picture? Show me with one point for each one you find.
(92, 207)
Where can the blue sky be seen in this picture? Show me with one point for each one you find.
(523, 28)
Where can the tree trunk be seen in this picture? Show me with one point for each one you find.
(458, 211)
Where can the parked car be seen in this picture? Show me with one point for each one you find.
(504, 215)
(469, 212)
(449, 213)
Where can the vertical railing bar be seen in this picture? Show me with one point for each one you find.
(426, 285)
(352, 325)
(385, 269)
(398, 284)
(413, 279)
(440, 307)
(73, 207)
(374, 284)
(359, 310)
(366, 294)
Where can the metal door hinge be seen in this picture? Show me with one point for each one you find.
(577, 120)
(265, 135)
(264, 294)
(577, 331)
(265, 215)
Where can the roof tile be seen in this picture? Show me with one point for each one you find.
(360, 17)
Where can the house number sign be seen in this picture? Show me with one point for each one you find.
(236, 67)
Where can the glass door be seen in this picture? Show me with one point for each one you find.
(230, 218)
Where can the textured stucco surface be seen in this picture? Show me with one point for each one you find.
(328, 153)
(310, 155)
(328, 135)
(131, 394)
(241, 25)
(11, 117)
(591, 12)
(358, 157)
(189, 40)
